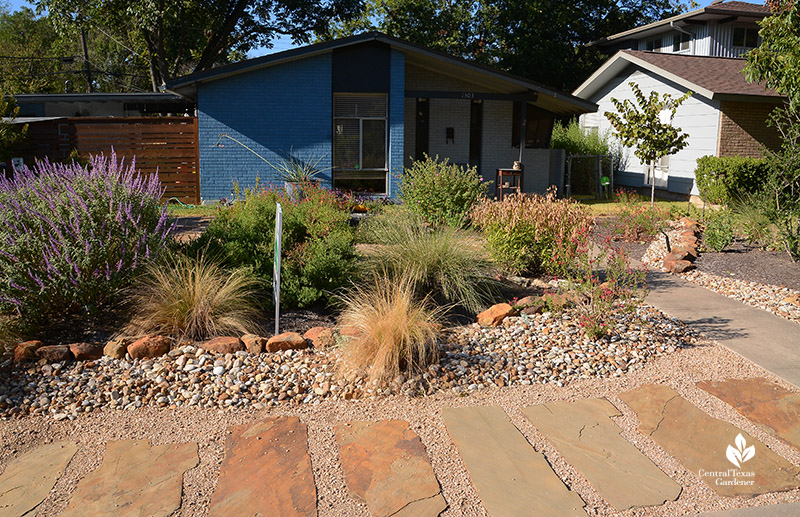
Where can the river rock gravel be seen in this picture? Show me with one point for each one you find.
(537, 349)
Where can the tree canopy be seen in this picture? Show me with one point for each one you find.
(176, 38)
(543, 40)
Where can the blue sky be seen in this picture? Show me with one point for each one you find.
(280, 44)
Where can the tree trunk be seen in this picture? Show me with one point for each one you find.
(218, 41)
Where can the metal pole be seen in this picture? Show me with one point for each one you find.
(86, 67)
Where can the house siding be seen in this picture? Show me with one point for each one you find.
(543, 167)
(743, 130)
(271, 111)
(697, 116)
(711, 39)
(396, 121)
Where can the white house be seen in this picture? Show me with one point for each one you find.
(699, 51)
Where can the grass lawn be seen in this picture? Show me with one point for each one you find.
(176, 210)
(609, 207)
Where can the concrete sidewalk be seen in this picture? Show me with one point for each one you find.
(768, 340)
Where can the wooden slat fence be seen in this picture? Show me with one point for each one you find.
(164, 145)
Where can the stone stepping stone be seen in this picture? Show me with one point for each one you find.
(385, 465)
(586, 437)
(28, 479)
(509, 475)
(769, 406)
(266, 471)
(135, 478)
(703, 445)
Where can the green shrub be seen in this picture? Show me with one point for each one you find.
(719, 231)
(193, 299)
(751, 220)
(318, 253)
(447, 264)
(73, 236)
(441, 192)
(724, 179)
(532, 232)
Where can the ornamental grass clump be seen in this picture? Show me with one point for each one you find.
(71, 236)
(393, 330)
(530, 232)
(193, 299)
(447, 264)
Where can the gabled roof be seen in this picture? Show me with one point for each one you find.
(715, 11)
(711, 77)
(549, 98)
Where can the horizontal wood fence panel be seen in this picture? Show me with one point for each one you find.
(166, 146)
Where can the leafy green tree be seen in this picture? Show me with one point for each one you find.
(36, 58)
(539, 39)
(194, 35)
(11, 135)
(776, 63)
(647, 126)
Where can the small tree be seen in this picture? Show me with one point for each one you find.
(643, 127)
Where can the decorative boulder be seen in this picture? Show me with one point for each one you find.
(149, 347)
(528, 301)
(86, 351)
(320, 337)
(254, 344)
(286, 341)
(54, 353)
(117, 347)
(677, 266)
(495, 314)
(26, 351)
(224, 345)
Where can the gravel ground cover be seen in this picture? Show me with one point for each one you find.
(680, 370)
(536, 349)
(778, 299)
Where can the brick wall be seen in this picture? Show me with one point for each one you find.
(271, 110)
(743, 129)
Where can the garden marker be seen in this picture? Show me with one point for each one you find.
(276, 270)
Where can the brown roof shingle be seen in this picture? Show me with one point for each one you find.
(720, 75)
(744, 7)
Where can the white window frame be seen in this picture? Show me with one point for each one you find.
(658, 172)
(659, 48)
(679, 37)
(739, 50)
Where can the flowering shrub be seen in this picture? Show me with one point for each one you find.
(600, 298)
(318, 252)
(532, 232)
(637, 220)
(441, 192)
(71, 235)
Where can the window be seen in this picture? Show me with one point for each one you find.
(538, 127)
(659, 172)
(360, 160)
(653, 45)
(745, 37)
(680, 42)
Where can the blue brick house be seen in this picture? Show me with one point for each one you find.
(365, 107)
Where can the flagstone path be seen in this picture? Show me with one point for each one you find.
(266, 468)
(695, 439)
(587, 438)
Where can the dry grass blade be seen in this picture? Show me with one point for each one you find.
(194, 299)
(395, 332)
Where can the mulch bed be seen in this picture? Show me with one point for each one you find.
(745, 262)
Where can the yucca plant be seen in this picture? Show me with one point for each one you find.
(194, 298)
(394, 331)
